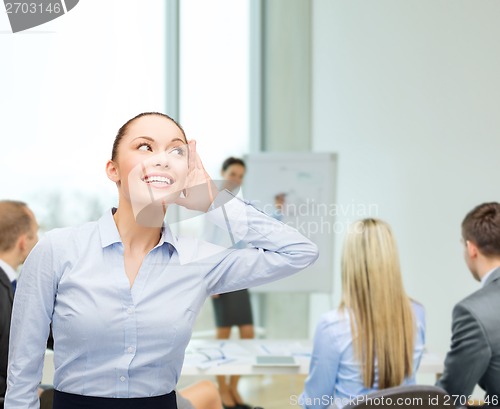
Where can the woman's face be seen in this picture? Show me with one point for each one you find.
(234, 176)
(152, 162)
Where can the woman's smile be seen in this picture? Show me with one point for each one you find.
(158, 180)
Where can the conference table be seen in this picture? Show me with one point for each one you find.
(239, 357)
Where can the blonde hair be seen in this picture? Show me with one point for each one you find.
(382, 322)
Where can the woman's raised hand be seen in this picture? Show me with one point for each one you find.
(200, 190)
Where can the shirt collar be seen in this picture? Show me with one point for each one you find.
(110, 235)
(485, 278)
(11, 273)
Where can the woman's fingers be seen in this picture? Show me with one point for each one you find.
(211, 190)
(192, 154)
(199, 189)
(199, 163)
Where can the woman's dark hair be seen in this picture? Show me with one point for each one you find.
(123, 130)
(232, 161)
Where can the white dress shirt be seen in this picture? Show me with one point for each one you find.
(7, 268)
(111, 340)
(486, 276)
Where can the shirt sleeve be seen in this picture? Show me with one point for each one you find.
(275, 250)
(469, 354)
(320, 384)
(31, 316)
(419, 346)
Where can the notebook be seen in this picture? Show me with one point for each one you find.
(275, 360)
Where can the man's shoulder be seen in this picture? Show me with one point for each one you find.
(476, 301)
(5, 294)
(482, 306)
(4, 280)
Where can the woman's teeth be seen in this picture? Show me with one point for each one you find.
(158, 179)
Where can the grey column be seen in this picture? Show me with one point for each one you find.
(286, 59)
(284, 125)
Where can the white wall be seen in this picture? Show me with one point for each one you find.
(408, 94)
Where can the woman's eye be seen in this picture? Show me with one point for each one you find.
(178, 151)
(144, 147)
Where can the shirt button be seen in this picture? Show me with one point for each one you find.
(130, 310)
(130, 350)
(122, 378)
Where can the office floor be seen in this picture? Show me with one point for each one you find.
(281, 391)
(267, 392)
(272, 392)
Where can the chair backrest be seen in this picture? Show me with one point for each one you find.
(408, 396)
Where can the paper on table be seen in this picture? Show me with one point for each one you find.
(213, 354)
(284, 349)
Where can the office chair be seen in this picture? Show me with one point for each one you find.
(408, 396)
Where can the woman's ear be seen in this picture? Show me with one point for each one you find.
(112, 171)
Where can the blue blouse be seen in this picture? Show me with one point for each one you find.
(111, 340)
(335, 375)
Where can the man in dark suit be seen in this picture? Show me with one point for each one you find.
(18, 235)
(474, 356)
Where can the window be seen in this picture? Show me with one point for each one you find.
(67, 86)
(214, 78)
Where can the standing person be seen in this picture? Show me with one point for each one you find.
(233, 308)
(123, 293)
(474, 356)
(375, 340)
(18, 235)
(279, 206)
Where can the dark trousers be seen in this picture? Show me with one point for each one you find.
(64, 400)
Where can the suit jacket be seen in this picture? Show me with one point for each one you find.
(6, 300)
(474, 356)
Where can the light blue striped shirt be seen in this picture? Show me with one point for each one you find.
(335, 375)
(115, 341)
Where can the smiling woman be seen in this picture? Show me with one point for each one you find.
(123, 293)
(149, 164)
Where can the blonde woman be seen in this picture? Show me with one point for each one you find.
(375, 339)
